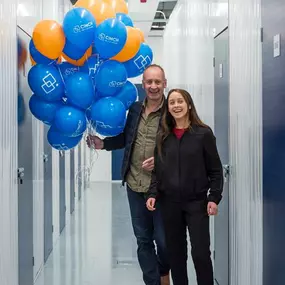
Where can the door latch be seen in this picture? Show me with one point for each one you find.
(45, 158)
(226, 171)
(21, 174)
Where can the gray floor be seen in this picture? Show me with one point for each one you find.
(97, 246)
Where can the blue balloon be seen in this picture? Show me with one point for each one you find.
(110, 38)
(128, 95)
(42, 110)
(79, 90)
(37, 56)
(70, 121)
(46, 82)
(60, 142)
(72, 51)
(111, 77)
(139, 62)
(94, 50)
(126, 19)
(67, 69)
(79, 27)
(109, 116)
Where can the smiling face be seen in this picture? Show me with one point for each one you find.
(178, 107)
(154, 83)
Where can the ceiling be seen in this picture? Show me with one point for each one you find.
(151, 17)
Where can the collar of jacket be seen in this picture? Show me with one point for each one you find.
(160, 107)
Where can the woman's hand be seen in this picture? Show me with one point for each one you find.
(212, 209)
(150, 204)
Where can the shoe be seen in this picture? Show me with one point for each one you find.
(165, 280)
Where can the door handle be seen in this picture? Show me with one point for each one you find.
(45, 158)
(21, 174)
(226, 172)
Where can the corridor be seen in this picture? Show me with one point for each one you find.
(97, 246)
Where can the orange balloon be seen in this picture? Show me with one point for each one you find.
(32, 61)
(80, 61)
(131, 46)
(120, 6)
(98, 8)
(141, 34)
(49, 39)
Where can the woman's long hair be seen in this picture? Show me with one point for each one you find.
(168, 122)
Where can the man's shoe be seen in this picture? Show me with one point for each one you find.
(165, 280)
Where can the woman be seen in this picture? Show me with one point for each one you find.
(188, 181)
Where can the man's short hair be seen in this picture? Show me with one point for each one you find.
(158, 66)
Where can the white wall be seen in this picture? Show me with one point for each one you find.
(219, 15)
(8, 145)
(188, 54)
(101, 166)
(245, 154)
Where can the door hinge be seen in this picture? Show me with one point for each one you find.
(214, 254)
(261, 35)
(214, 62)
(33, 261)
(52, 228)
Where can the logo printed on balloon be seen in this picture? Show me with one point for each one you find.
(60, 146)
(129, 103)
(116, 84)
(142, 62)
(78, 130)
(49, 83)
(70, 71)
(102, 125)
(108, 39)
(92, 70)
(82, 28)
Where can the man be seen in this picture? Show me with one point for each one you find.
(138, 139)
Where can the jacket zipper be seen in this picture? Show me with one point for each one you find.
(179, 167)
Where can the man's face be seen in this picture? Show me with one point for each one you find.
(154, 83)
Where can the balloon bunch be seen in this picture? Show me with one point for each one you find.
(80, 71)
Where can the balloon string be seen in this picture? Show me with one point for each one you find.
(61, 76)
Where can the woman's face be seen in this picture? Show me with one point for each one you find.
(177, 106)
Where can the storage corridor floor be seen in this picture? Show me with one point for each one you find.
(97, 245)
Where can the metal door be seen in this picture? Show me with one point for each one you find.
(48, 227)
(72, 181)
(25, 174)
(273, 102)
(62, 206)
(221, 246)
(79, 173)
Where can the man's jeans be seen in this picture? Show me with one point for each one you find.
(148, 227)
